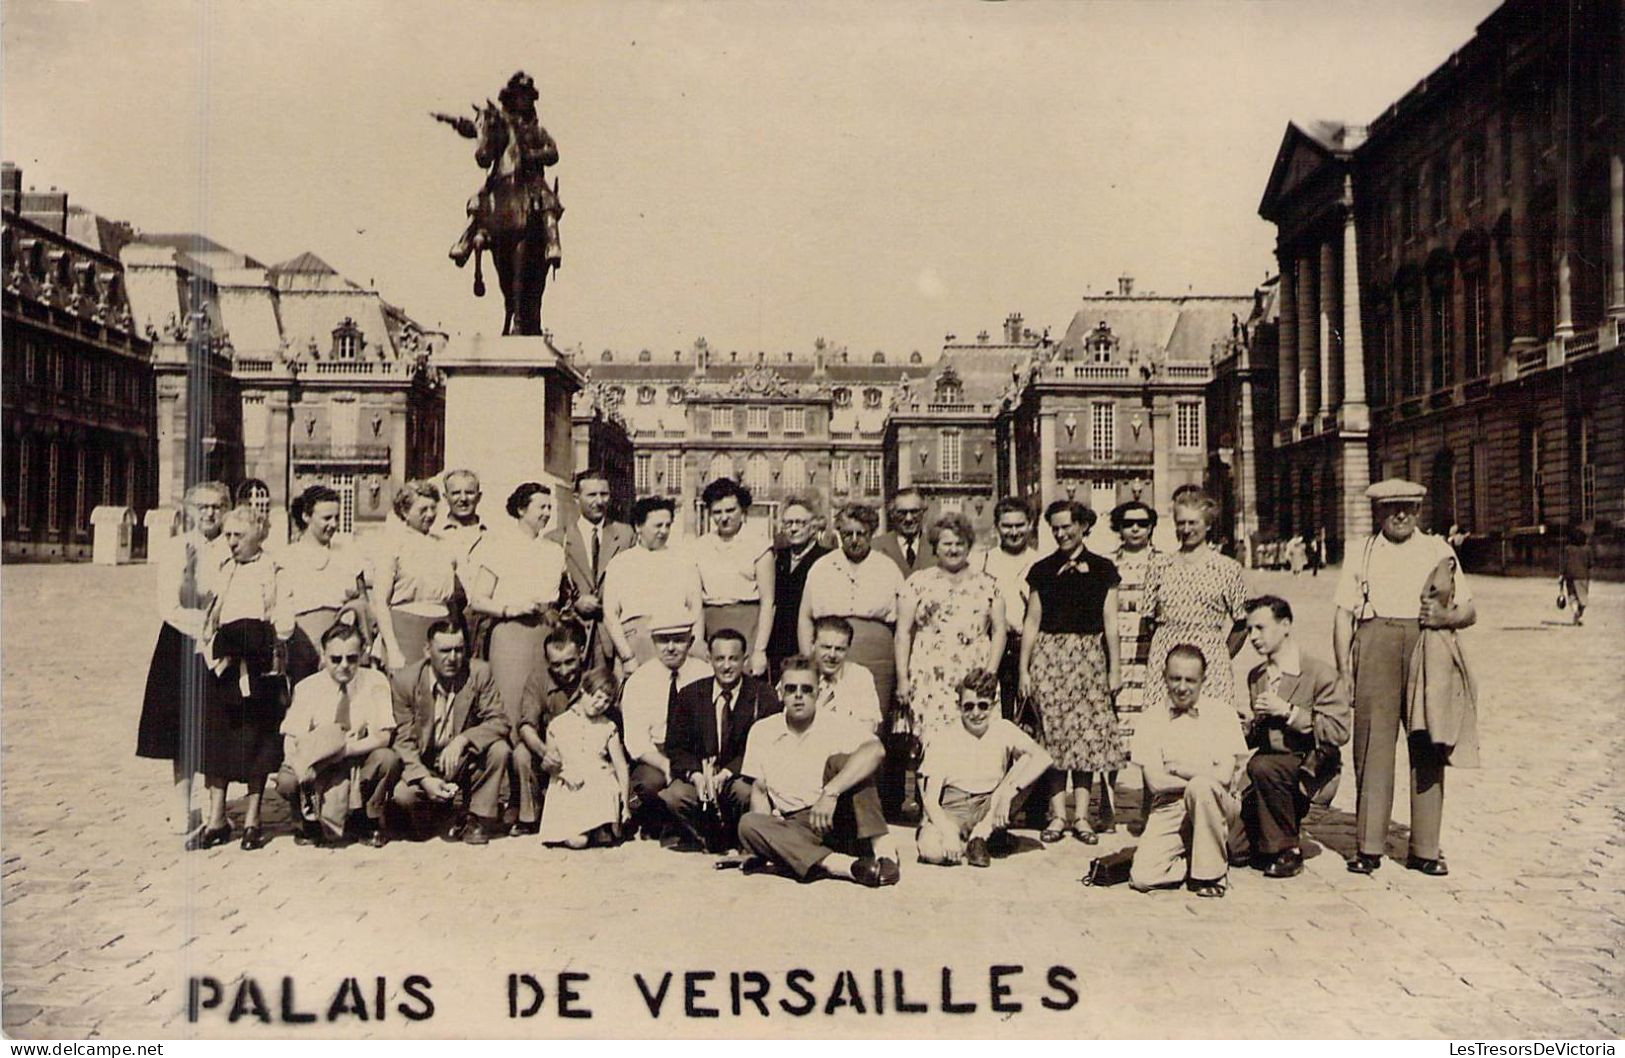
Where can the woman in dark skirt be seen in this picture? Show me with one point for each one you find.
(320, 579)
(244, 642)
(1070, 667)
(172, 708)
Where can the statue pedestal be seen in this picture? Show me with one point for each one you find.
(508, 413)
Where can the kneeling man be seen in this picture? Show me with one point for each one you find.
(976, 776)
(1301, 715)
(1192, 753)
(813, 794)
(336, 735)
(452, 734)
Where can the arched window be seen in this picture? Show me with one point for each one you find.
(646, 394)
(644, 356)
(758, 473)
(915, 357)
(880, 357)
(674, 395)
(843, 397)
(949, 390)
(722, 466)
(795, 473)
(871, 398)
(346, 340)
(606, 357)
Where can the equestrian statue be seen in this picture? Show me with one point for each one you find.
(515, 215)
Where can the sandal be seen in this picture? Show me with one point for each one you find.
(1211, 890)
(1088, 837)
(208, 838)
(1053, 831)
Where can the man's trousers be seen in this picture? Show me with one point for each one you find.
(792, 841)
(341, 787)
(1194, 826)
(1382, 669)
(1274, 804)
(480, 778)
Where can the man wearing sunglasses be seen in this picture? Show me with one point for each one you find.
(813, 797)
(1380, 615)
(976, 777)
(336, 737)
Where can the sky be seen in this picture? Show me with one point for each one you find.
(762, 175)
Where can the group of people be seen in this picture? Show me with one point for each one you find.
(581, 679)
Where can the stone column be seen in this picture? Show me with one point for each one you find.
(905, 460)
(1046, 459)
(1162, 485)
(1308, 340)
(1616, 236)
(1286, 388)
(1354, 413)
(278, 447)
(1331, 325)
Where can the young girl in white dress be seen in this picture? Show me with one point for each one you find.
(588, 798)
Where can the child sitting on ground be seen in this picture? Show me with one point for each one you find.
(587, 800)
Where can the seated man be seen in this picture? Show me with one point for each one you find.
(451, 733)
(1192, 754)
(547, 694)
(813, 791)
(705, 742)
(1301, 715)
(646, 701)
(336, 736)
(976, 776)
(846, 688)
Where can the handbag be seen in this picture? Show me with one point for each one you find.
(1110, 869)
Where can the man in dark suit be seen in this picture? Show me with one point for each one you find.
(905, 543)
(706, 730)
(590, 540)
(790, 565)
(1300, 716)
(451, 733)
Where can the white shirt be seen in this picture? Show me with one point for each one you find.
(1205, 740)
(975, 764)
(868, 589)
(461, 538)
(792, 764)
(1010, 573)
(644, 700)
(651, 582)
(188, 565)
(316, 701)
(1395, 574)
(727, 568)
(515, 570)
(851, 693)
(319, 578)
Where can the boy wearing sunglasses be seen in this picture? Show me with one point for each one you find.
(976, 777)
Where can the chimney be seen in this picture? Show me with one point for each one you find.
(1125, 285)
(981, 337)
(11, 185)
(1012, 329)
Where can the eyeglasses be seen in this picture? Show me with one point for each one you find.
(1136, 523)
(795, 523)
(852, 534)
(339, 659)
(979, 707)
(800, 688)
(906, 512)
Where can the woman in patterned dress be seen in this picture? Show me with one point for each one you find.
(1070, 666)
(1133, 523)
(1196, 596)
(950, 620)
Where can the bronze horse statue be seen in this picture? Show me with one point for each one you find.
(515, 215)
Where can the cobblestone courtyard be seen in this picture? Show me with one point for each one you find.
(104, 918)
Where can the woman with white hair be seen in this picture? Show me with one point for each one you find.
(1196, 596)
(414, 578)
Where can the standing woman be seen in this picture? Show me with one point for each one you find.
(171, 709)
(1070, 666)
(950, 620)
(860, 585)
(1133, 522)
(516, 580)
(319, 579)
(1197, 597)
(735, 564)
(255, 495)
(243, 638)
(645, 580)
(414, 578)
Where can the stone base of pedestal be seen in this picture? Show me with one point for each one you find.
(508, 412)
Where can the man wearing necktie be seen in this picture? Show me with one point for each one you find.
(706, 731)
(905, 543)
(1298, 706)
(590, 540)
(649, 697)
(336, 735)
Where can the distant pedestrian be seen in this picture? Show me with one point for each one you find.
(1574, 571)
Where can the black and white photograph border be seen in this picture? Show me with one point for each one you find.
(1391, 248)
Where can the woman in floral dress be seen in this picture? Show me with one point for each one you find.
(950, 620)
(1196, 596)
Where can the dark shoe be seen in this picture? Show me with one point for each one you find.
(754, 865)
(521, 829)
(866, 871)
(1210, 890)
(254, 838)
(1088, 837)
(976, 853)
(670, 839)
(458, 829)
(310, 833)
(890, 871)
(376, 837)
(476, 833)
(1288, 864)
(1054, 831)
(1435, 868)
(208, 838)
(1364, 863)
(1108, 827)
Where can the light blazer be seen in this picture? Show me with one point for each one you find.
(476, 711)
(615, 538)
(1317, 692)
(889, 545)
(691, 729)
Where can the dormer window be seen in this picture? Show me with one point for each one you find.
(674, 395)
(646, 394)
(880, 357)
(644, 356)
(871, 398)
(346, 340)
(606, 357)
(949, 391)
(843, 397)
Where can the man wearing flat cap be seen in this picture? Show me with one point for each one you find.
(1380, 615)
(647, 700)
